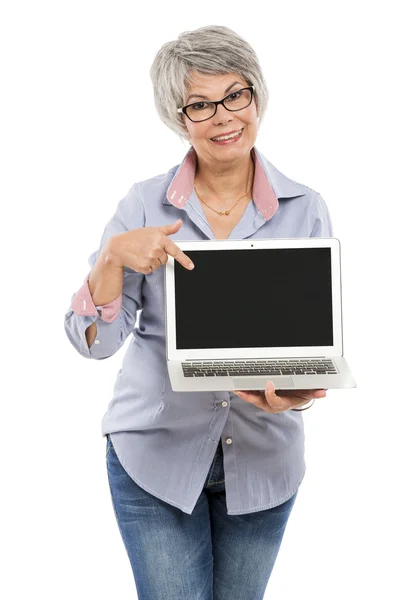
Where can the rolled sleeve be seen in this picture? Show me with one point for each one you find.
(82, 304)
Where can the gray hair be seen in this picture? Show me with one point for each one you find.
(209, 50)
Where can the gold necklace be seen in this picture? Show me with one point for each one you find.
(217, 211)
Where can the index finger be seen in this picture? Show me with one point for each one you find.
(174, 251)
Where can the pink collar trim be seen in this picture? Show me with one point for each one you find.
(182, 185)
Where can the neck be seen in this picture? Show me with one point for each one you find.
(224, 182)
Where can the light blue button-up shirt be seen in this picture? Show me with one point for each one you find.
(166, 440)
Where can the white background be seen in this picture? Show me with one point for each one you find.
(79, 127)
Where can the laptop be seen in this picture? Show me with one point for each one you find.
(255, 310)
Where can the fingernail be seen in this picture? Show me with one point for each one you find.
(239, 394)
(191, 265)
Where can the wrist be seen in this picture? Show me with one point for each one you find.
(305, 406)
(110, 255)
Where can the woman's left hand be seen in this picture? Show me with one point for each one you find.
(274, 402)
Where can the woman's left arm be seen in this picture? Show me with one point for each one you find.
(270, 400)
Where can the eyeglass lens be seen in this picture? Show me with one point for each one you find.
(204, 110)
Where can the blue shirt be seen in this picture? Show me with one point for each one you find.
(166, 440)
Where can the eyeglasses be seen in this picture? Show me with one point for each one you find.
(201, 111)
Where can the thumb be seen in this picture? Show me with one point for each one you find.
(168, 229)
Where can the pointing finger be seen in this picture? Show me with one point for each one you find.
(174, 251)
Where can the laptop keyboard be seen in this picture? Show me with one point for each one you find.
(233, 368)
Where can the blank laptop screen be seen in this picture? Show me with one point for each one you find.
(254, 298)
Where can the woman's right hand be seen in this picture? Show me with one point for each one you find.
(144, 250)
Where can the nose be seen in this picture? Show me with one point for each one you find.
(222, 116)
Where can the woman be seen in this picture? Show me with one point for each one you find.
(202, 484)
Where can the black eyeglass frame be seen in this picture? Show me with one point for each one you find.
(216, 102)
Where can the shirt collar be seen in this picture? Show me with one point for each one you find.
(269, 184)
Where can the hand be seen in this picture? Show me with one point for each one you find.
(273, 402)
(146, 249)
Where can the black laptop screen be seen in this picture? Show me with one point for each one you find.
(254, 298)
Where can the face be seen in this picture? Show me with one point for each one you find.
(216, 87)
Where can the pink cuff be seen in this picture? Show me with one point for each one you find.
(82, 304)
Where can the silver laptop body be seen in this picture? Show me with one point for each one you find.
(256, 310)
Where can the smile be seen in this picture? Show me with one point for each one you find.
(227, 138)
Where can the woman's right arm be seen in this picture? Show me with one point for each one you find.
(90, 334)
(126, 242)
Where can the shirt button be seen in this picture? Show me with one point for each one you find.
(228, 440)
(97, 341)
(224, 403)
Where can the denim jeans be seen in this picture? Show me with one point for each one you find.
(208, 555)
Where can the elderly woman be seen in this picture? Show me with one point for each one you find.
(202, 483)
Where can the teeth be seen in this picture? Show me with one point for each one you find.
(227, 137)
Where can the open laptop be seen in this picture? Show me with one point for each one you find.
(253, 310)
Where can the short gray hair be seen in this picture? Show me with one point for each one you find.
(212, 50)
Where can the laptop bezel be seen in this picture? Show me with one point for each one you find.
(251, 353)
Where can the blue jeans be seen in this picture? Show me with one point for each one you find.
(208, 555)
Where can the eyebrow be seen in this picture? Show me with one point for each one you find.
(205, 97)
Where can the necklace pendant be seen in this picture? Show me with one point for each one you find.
(227, 212)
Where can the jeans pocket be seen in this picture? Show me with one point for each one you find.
(109, 444)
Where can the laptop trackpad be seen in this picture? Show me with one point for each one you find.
(259, 383)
